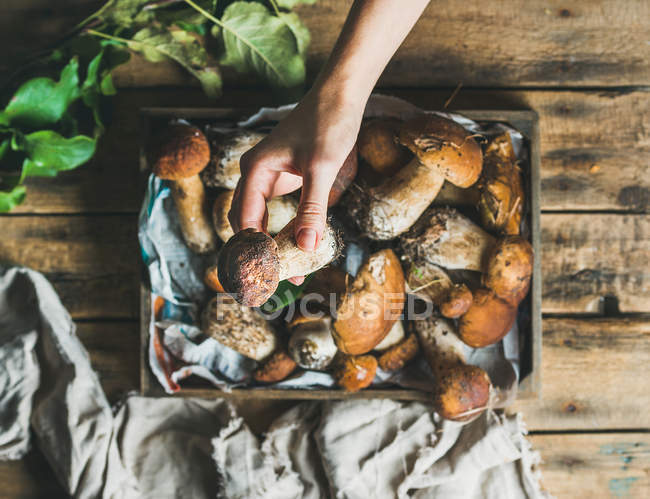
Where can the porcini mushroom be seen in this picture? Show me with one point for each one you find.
(444, 237)
(251, 264)
(371, 304)
(345, 176)
(397, 356)
(426, 280)
(276, 368)
(311, 344)
(444, 150)
(379, 148)
(456, 302)
(353, 373)
(239, 328)
(462, 391)
(281, 209)
(227, 149)
(178, 155)
(509, 269)
(501, 204)
(487, 320)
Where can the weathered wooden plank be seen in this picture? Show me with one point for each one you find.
(595, 148)
(586, 257)
(91, 261)
(593, 375)
(114, 349)
(29, 478)
(504, 43)
(595, 465)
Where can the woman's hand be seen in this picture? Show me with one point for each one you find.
(306, 149)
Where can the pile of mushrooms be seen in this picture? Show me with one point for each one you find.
(470, 261)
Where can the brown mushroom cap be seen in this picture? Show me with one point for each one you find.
(276, 368)
(509, 269)
(180, 151)
(457, 301)
(248, 267)
(445, 145)
(462, 391)
(371, 305)
(354, 373)
(379, 148)
(487, 320)
(397, 356)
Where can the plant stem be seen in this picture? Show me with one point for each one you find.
(109, 37)
(274, 4)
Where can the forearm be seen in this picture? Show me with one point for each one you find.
(372, 33)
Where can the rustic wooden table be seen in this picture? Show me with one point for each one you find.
(584, 66)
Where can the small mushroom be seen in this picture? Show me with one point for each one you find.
(311, 344)
(251, 264)
(354, 373)
(239, 328)
(227, 150)
(397, 356)
(371, 305)
(379, 148)
(211, 279)
(488, 319)
(509, 269)
(178, 155)
(444, 237)
(462, 391)
(394, 336)
(281, 209)
(278, 366)
(501, 204)
(457, 301)
(444, 150)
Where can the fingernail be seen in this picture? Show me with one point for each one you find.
(307, 239)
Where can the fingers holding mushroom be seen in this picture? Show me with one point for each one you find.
(251, 264)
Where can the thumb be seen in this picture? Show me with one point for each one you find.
(312, 211)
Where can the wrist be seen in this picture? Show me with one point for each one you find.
(336, 91)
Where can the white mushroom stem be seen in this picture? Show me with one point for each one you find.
(440, 344)
(297, 262)
(311, 345)
(281, 211)
(398, 202)
(189, 197)
(427, 281)
(227, 150)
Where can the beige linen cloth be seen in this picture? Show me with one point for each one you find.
(190, 448)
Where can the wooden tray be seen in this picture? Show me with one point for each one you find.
(526, 122)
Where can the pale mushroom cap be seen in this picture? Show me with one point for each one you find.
(445, 145)
(180, 151)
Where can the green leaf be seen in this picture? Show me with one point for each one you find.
(299, 30)
(157, 44)
(126, 13)
(41, 102)
(4, 119)
(11, 198)
(257, 41)
(290, 4)
(199, 29)
(106, 85)
(285, 294)
(49, 153)
(4, 147)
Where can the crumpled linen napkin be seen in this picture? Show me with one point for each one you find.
(190, 448)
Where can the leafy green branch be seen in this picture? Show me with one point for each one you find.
(40, 124)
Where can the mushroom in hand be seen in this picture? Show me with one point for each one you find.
(178, 155)
(251, 264)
